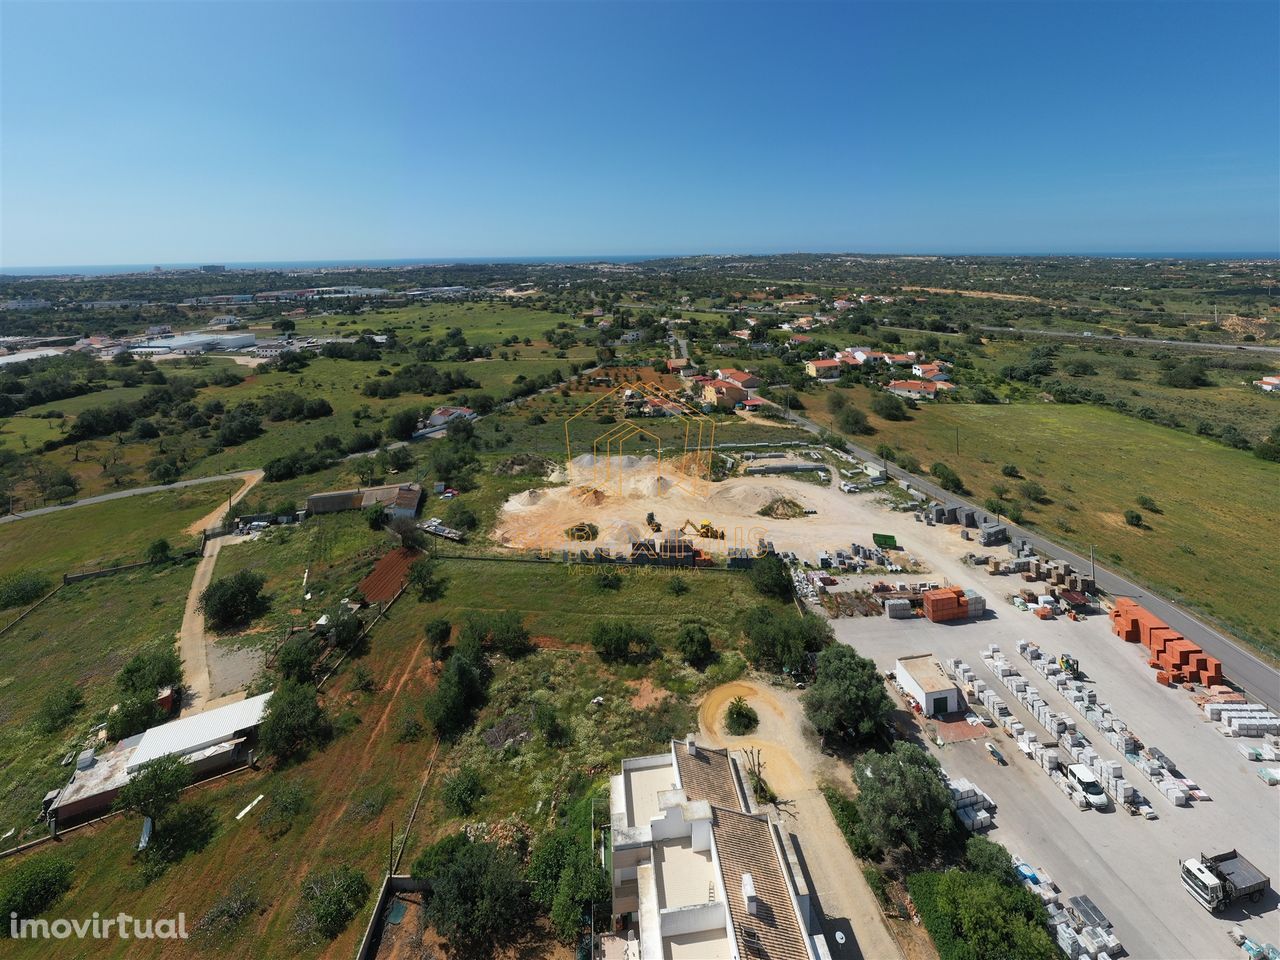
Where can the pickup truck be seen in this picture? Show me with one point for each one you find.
(1218, 880)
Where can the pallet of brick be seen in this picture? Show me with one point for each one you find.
(1269, 775)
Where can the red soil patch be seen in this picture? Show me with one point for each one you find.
(555, 643)
(388, 576)
(646, 694)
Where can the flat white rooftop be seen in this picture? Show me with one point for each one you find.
(199, 730)
(643, 787)
(685, 876)
(706, 945)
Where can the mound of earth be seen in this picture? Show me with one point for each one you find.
(590, 496)
(781, 508)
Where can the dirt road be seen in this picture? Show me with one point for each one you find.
(192, 638)
(794, 768)
(215, 517)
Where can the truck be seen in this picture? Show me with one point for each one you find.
(1218, 880)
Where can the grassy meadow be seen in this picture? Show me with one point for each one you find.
(1208, 546)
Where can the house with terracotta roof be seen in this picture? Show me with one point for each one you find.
(748, 381)
(697, 870)
(1268, 384)
(797, 339)
(724, 394)
(823, 369)
(918, 389)
(936, 371)
(678, 364)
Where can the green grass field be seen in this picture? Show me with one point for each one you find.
(81, 636)
(1208, 547)
(103, 534)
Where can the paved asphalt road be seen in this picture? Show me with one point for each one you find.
(1258, 678)
(1142, 341)
(121, 494)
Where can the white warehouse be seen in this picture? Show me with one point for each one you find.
(922, 677)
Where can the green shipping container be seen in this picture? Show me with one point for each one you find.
(885, 541)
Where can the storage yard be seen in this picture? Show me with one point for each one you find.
(1067, 682)
(1159, 747)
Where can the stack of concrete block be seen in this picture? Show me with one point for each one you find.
(972, 806)
(899, 608)
(1243, 719)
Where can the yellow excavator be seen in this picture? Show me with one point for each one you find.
(703, 529)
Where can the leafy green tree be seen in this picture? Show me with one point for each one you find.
(233, 600)
(853, 420)
(1133, 518)
(425, 577)
(477, 897)
(297, 657)
(159, 551)
(783, 640)
(155, 787)
(694, 645)
(888, 407)
(294, 723)
(582, 882)
(902, 801)
(947, 478)
(770, 576)
(403, 424)
(620, 641)
(438, 630)
(847, 697)
(452, 706)
(989, 858)
(151, 670)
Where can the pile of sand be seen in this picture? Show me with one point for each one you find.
(653, 487)
(584, 462)
(625, 532)
(590, 495)
(526, 499)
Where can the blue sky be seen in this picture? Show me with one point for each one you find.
(189, 131)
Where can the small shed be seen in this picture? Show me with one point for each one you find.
(921, 676)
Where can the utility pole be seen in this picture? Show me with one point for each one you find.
(1092, 571)
(957, 441)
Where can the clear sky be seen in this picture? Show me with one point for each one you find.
(189, 131)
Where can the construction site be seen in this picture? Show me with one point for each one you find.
(1061, 690)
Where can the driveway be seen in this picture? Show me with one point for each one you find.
(795, 768)
(192, 638)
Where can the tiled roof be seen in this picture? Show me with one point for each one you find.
(707, 775)
(744, 844)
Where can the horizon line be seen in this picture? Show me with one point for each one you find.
(542, 259)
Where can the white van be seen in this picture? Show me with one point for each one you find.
(1083, 778)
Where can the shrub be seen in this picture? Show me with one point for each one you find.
(57, 709)
(228, 913)
(908, 463)
(990, 858)
(782, 640)
(677, 586)
(461, 791)
(285, 803)
(1133, 518)
(740, 719)
(438, 632)
(607, 579)
(330, 898)
(1032, 490)
(947, 478)
(32, 887)
(1010, 470)
(18, 589)
(477, 896)
(1146, 503)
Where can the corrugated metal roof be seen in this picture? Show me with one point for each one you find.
(199, 731)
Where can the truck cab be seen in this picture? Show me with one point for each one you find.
(1216, 880)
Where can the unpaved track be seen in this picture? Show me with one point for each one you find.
(192, 638)
(212, 519)
(794, 768)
